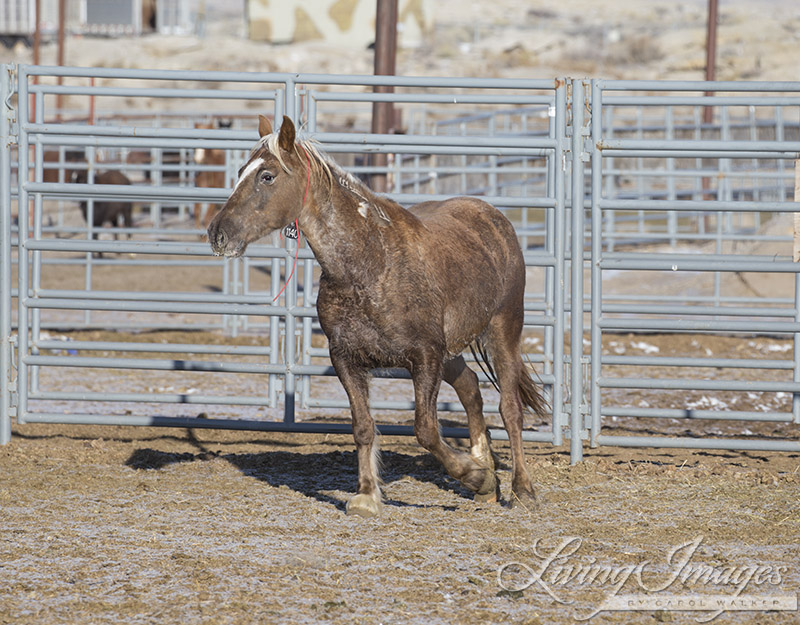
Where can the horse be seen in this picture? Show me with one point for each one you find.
(106, 211)
(408, 288)
(211, 178)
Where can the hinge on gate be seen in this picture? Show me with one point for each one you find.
(9, 110)
(588, 146)
(12, 383)
(566, 432)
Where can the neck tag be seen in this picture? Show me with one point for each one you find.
(290, 231)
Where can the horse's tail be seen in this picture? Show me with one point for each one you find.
(529, 392)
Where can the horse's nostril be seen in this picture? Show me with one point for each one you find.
(222, 239)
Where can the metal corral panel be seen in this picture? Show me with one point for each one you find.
(637, 220)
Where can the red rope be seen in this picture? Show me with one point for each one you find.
(297, 229)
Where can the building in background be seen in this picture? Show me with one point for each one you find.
(100, 17)
(340, 22)
(348, 23)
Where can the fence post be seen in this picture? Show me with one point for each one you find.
(576, 297)
(796, 258)
(6, 117)
(558, 283)
(595, 360)
(796, 238)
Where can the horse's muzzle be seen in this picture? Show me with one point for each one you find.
(222, 244)
(217, 238)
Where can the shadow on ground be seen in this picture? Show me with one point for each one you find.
(314, 475)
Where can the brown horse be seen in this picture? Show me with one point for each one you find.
(106, 211)
(211, 178)
(399, 288)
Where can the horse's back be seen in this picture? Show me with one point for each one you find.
(469, 228)
(474, 258)
(464, 216)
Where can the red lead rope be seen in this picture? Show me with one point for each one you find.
(297, 229)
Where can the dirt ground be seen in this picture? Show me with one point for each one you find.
(141, 525)
(113, 524)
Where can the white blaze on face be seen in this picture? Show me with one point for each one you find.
(199, 155)
(252, 166)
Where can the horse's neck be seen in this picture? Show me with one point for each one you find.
(346, 244)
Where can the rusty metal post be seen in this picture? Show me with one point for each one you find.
(37, 45)
(711, 54)
(37, 33)
(62, 19)
(385, 58)
(711, 75)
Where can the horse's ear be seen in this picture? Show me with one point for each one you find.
(264, 127)
(286, 138)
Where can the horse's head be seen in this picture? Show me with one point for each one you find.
(268, 194)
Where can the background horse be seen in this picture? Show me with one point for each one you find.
(214, 178)
(399, 288)
(106, 211)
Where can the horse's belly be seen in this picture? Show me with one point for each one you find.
(355, 335)
(462, 326)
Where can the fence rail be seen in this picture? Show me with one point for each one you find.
(601, 179)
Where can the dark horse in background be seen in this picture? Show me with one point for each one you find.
(106, 211)
(399, 288)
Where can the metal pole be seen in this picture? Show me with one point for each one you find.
(711, 54)
(37, 38)
(62, 18)
(596, 274)
(576, 297)
(385, 62)
(37, 34)
(6, 113)
(24, 212)
(559, 251)
(711, 74)
(796, 258)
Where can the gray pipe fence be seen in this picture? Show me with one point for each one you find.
(593, 174)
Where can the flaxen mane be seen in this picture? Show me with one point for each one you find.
(325, 168)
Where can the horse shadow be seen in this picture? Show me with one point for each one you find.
(328, 477)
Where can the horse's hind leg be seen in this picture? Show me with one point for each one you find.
(503, 341)
(479, 477)
(367, 502)
(465, 383)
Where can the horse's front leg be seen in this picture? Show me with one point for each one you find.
(367, 502)
(476, 474)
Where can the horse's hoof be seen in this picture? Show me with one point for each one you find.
(525, 499)
(490, 497)
(363, 506)
(483, 482)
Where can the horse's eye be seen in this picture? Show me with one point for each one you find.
(266, 177)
